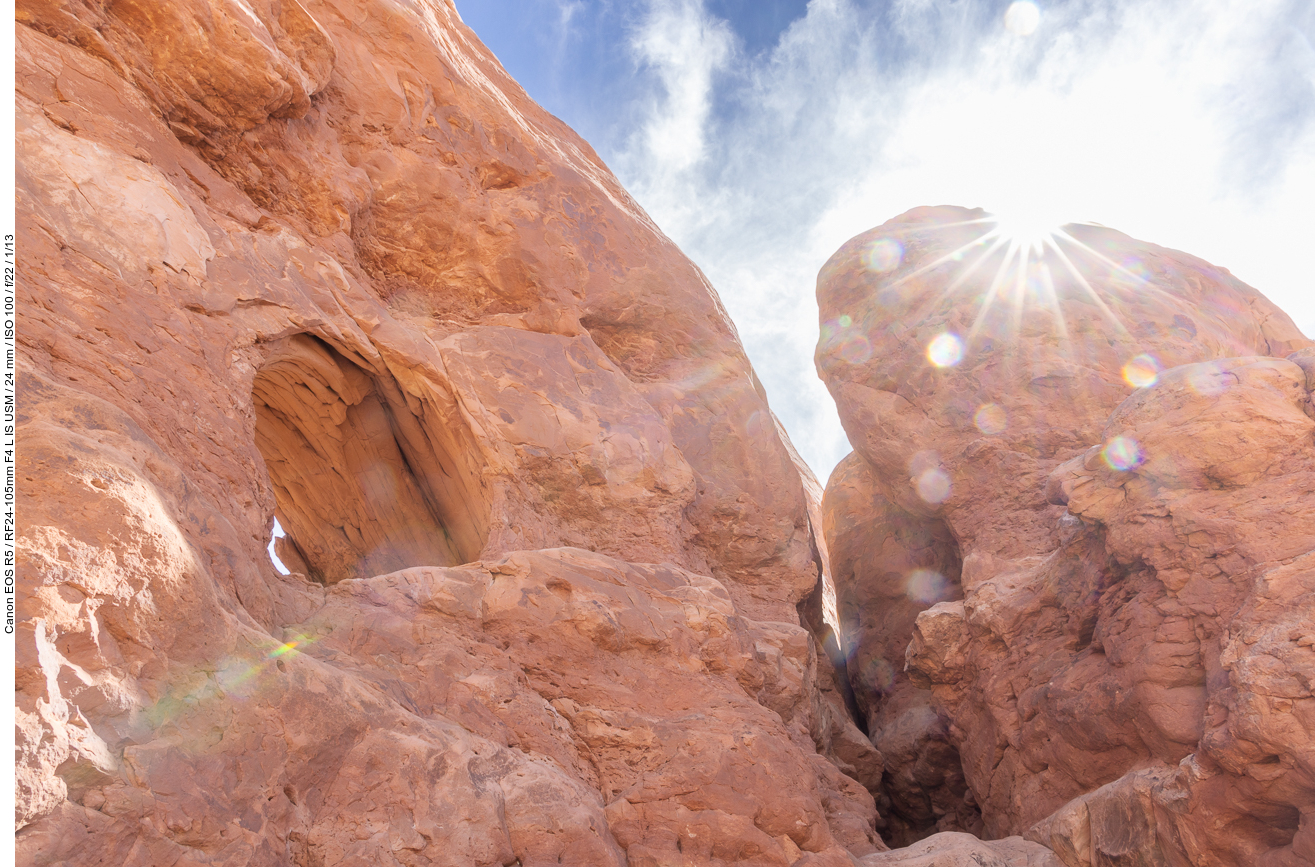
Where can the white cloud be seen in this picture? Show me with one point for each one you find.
(1189, 123)
(684, 46)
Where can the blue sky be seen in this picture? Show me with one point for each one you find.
(574, 56)
(762, 134)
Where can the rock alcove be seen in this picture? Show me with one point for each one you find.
(363, 484)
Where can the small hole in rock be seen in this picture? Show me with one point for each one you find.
(273, 555)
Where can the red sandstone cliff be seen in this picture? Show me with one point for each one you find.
(326, 261)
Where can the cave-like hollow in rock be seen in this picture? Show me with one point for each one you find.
(364, 486)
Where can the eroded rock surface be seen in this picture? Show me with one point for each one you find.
(326, 261)
(1078, 536)
(953, 848)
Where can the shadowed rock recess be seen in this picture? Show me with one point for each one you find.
(559, 588)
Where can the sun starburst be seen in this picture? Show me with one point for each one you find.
(1019, 259)
(1027, 230)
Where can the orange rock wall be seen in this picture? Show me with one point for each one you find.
(326, 261)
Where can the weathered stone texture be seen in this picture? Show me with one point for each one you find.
(326, 261)
(1116, 486)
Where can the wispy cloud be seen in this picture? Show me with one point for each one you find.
(568, 9)
(683, 48)
(1189, 123)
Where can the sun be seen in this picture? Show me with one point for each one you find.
(1027, 229)
(1019, 257)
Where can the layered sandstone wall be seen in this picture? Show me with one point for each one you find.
(1074, 550)
(326, 261)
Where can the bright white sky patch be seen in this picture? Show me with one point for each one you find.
(274, 558)
(1022, 18)
(1187, 123)
(684, 47)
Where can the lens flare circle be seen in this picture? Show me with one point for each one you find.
(1122, 454)
(945, 350)
(840, 337)
(1022, 18)
(883, 255)
(926, 586)
(991, 419)
(933, 486)
(1208, 379)
(1142, 371)
(855, 349)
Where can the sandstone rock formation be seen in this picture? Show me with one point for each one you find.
(956, 848)
(323, 259)
(1074, 551)
(558, 591)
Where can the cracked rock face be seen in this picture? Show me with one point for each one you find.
(325, 261)
(1074, 551)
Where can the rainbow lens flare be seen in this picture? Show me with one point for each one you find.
(1142, 371)
(885, 254)
(991, 419)
(933, 486)
(1122, 454)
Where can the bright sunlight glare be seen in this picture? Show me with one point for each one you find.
(274, 558)
(1028, 229)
